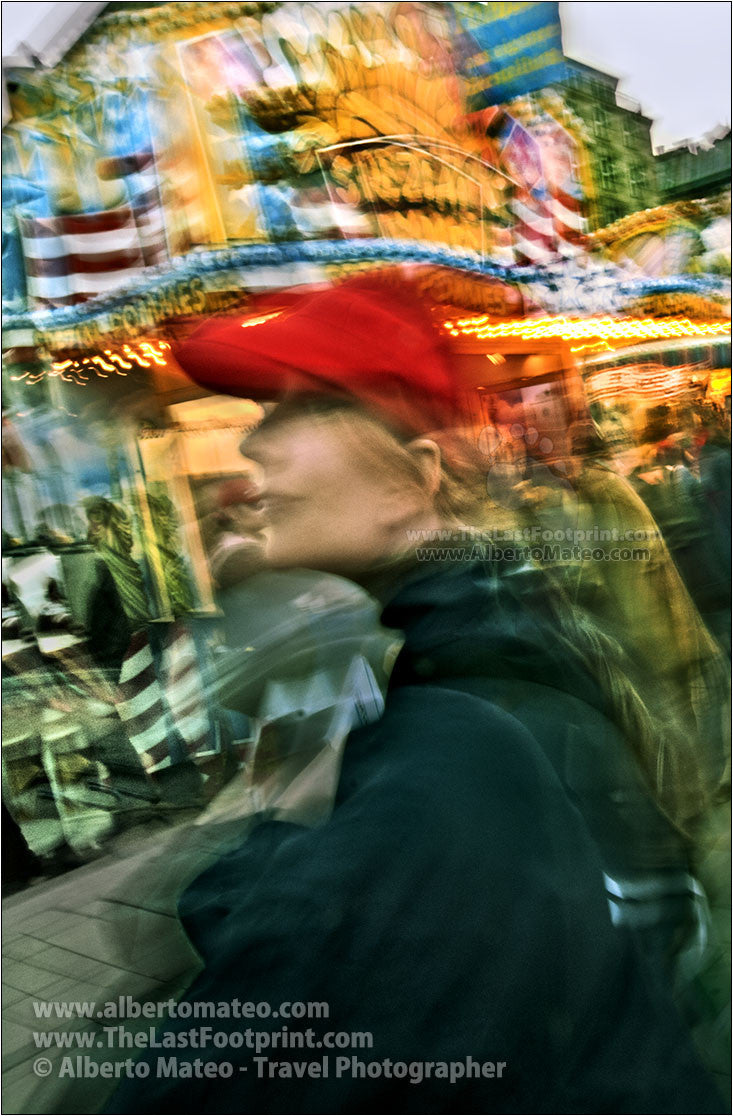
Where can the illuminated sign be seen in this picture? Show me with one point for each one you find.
(415, 189)
(584, 329)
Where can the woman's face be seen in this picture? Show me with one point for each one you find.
(328, 505)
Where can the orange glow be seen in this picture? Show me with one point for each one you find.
(149, 350)
(143, 353)
(117, 359)
(102, 363)
(720, 381)
(590, 332)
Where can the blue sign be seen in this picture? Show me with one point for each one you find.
(506, 50)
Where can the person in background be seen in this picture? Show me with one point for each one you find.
(690, 508)
(676, 882)
(714, 470)
(110, 533)
(176, 577)
(233, 532)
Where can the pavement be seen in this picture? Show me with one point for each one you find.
(104, 930)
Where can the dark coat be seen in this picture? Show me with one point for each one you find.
(452, 906)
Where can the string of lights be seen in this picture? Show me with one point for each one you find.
(144, 354)
(584, 329)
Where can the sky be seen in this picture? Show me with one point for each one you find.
(19, 19)
(674, 58)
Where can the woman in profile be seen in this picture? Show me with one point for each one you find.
(450, 911)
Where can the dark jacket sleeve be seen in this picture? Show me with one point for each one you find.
(451, 907)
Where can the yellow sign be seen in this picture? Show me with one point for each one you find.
(719, 383)
(412, 190)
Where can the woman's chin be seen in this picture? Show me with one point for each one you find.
(281, 556)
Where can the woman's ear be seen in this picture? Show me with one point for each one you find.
(426, 455)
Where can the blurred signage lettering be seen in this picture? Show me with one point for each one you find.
(409, 191)
(137, 316)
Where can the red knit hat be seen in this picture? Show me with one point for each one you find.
(369, 339)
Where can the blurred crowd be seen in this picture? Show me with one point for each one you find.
(92, 657)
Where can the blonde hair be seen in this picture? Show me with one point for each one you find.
(668, 760)
(385, 449)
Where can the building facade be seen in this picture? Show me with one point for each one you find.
(621, 169)
(693, 170)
